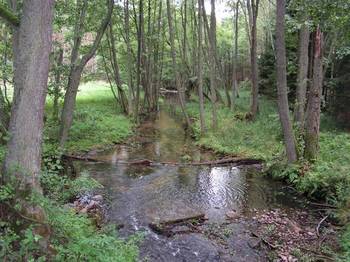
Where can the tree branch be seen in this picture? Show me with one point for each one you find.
(8, 15)
(100, 33)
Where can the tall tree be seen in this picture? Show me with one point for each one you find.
(235, 56)
(129, 61)
(175, 67)
(140, 47)
(31, 49)
(253, 8)
(313, 110)
(32, 37)
(200, 67)
(303, 65)
(283, 107)
(78, 64)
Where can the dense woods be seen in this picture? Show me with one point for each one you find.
(255, 80)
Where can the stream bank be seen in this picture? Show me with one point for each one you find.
(246, 215)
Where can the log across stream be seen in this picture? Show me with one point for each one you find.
(162, 184)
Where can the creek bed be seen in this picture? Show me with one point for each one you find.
(142, 194)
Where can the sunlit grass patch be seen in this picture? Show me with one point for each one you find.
(98, 121)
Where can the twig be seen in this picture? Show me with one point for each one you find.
(265, 241)
(319, 225)
(322, 205)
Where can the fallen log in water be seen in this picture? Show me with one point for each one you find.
(166, 227)
(147, 162)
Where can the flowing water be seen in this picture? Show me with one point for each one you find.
(141, 194)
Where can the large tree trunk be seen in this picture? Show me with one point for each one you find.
(32, 46)
(31, 49)
(283, 107)
(77, 67)
(200, 67)
(304, 38)
(173, 57)
(313, 111)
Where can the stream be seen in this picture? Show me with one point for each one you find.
(141, 194)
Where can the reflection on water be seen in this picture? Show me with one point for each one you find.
(142, 194)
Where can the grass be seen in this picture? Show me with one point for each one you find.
(255, 139)
(98, 121)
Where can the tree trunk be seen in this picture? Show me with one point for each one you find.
(173, 57)
(235, 59)
(114, 62)
(253, 7)
(32, 46)
(200, 67)
(139, 60)
(283, 107)
(129, 62)
(77, 67)
(56, 91)
(313, 111)
(304, 38)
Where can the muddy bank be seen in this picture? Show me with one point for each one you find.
(235, 199)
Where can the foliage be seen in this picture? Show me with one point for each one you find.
(62, 189)
(345, 242)
(73, 238)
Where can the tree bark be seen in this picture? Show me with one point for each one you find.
(299, 111)
(313, 111)
(253, 8)
(283, 107)
(77, 69)
(31, 64)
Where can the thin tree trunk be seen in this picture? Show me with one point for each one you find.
(304, 39)
(235, 59)
(211, 32)
(139, 60)
(313, 111)
(114, 62)
(283, 107)
(78, 66)
(200, 67)
(56, 92)
(129, 62)
(173, 57)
